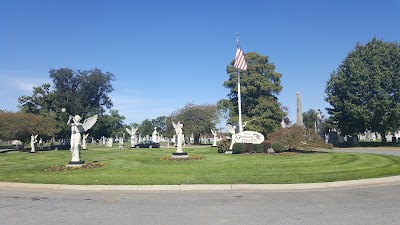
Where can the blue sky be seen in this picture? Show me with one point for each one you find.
(165, 54)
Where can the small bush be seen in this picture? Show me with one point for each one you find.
(238, 148)
(259, 148)
(278, 147)
(223, 146)
(249, 147)
(266, 146)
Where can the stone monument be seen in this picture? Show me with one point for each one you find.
(154, 136)
(76, 129)
(121, 143)
(110, 142)
(232, 130)
(215, 138)
(41, 144)
(132, 133)
(33, 143)
(84, 141)
(179, 136)
(318, 123)
(299, 110)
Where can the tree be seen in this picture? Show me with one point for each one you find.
(108, 125)
(20, 126)
(260, 85)
(309, 118)
(196, 119)
(146, 127)
(82, 92)
(161, 123)
(364, 91)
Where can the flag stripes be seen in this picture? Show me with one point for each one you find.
(239, 60)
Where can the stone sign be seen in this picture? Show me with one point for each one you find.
(249, 137)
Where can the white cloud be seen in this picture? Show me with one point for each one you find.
(16, 84)
(21, 81)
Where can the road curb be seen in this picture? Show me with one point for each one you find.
(208, 187)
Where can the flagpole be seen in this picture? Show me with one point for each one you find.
(239, 96)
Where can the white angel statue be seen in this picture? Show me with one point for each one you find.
(215, 137)
(232, 130)
(84, 141)
(178, 131)
(33, 143)
(76, 129)
(132, 132)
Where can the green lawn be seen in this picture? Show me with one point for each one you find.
(145, 167)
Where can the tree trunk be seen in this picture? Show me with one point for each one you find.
(197, 139)
(383, 136)
(355, 140)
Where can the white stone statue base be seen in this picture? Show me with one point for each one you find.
(182, 155)
(76, 163)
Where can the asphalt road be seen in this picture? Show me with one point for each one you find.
(370, 151)
(356, 205)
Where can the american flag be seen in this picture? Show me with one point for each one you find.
(239, 60)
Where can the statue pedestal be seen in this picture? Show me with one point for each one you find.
(76, 163)
(180, 155)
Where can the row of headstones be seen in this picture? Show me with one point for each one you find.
(109, 141)
(371, 136)
(366, 136)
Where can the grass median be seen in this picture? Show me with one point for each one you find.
(148, 167)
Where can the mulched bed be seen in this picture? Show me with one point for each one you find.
(86, 166)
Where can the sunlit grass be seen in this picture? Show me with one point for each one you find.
(144, 166)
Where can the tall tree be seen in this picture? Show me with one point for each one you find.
(196, 119)
(82, 92)
(364, 91)
(260, 85)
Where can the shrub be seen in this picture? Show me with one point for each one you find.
(266, 146)
(249, 147)
(259, 148)
(298, 137)
(238, 148)
(223, 146)
(278, 147)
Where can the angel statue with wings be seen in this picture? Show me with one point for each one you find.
(178, 131)
(215, 137)
(33, 143)
(232, 130)
(76, 129)
(132, 132)
(84, 141)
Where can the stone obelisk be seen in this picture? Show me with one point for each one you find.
(299, 110)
